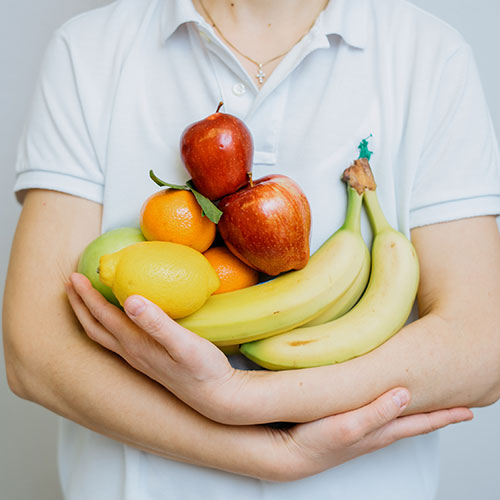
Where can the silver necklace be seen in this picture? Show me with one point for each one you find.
(260, 75)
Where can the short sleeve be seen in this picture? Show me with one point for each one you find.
(55, 150)
(458, 174)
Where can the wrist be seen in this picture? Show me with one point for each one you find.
(228, 400)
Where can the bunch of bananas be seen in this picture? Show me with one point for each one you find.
(338, 307)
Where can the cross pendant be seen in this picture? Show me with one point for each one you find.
(260, 75)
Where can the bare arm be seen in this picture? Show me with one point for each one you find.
(450, 357)
(447, 358)
(52, 362)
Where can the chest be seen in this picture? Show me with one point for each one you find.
(307, 124)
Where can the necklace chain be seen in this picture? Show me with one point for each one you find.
(260, 75)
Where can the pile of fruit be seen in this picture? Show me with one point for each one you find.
(341, 302)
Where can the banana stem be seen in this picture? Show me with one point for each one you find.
(377, 218)
(352, 220)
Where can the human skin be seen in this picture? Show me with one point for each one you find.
(432, 357)
(261, 29)
(447, 358)
(51, 361)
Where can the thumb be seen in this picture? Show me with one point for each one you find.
(384, 409)
(155, 322)
(183, 345)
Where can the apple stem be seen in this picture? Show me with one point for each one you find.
(250, 178)
(219, 106)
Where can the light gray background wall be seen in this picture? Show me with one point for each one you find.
(470, 452)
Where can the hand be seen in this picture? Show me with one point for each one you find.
(189, 366)
(272, 454)
(331, 441)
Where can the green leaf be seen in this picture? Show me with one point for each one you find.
(166, 184)
(364, 152)
(208, 208)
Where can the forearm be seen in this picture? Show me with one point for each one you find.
(96, 389)
(449, 357)
(439, 363)
(52, 362)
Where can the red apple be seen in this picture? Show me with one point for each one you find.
(218, 153)
(267, 224)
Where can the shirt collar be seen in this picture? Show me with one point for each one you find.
(175, 13)
(346, 18)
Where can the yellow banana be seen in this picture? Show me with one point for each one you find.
(380, 313)
(291, 299)
(345, 302)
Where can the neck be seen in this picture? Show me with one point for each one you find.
(275, 12)
(260, 32)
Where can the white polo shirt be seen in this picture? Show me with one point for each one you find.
(119, 84)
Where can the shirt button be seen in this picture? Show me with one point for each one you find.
(239, 89)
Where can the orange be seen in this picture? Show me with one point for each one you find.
(174, 215)
(233, 273)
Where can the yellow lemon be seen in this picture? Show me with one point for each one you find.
(175, 277)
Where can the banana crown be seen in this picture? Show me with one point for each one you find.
(363, 325)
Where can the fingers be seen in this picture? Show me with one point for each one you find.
(103, 311)
(330, 441)
(92, 327)
(144, 323)
(104, 322)
(422, 423)
(355, 425)
(178, 341)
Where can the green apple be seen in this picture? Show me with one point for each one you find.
(108, 242)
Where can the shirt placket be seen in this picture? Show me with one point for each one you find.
(262, 110)
(236, 90)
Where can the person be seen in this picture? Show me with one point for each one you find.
(152, 411)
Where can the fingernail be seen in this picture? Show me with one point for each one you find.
(401, 398)
(134, 306)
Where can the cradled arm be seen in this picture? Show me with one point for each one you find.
(448, 358)
(51, 361)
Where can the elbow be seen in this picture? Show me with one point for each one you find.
(16, 362)
(491, 393)
(488, 397)
(490, 368)
(15, 379)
